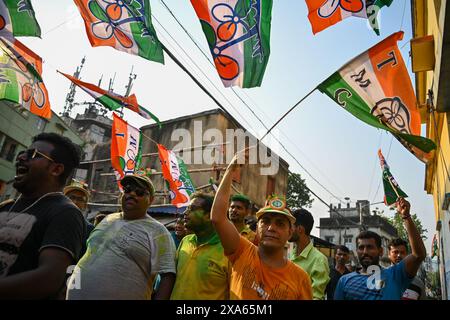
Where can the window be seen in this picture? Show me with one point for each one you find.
(329, 239)
(270, 188)
(40, 124)
(236, 176)
(9, 148)
(348, 242)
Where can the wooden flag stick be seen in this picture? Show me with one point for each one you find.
(393, 187)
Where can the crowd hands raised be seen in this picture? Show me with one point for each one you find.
(48, 250)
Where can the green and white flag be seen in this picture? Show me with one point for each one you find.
(17, 18)
(392, 190)
(376, 88)
(124, 25)
(238, 35)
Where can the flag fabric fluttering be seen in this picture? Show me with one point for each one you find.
(325, 13)
(375, 87)
(126, 146)
(392, 190)
(177, 177)
(112, 101)
(124, 25)
(17, 18)
(21, 77)
(238, 35)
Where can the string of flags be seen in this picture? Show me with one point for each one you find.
(374, 86)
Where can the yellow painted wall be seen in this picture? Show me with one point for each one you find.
(426, 19)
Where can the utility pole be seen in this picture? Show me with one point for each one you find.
(360, 217)
(128, 87)
(71, 95)
(131, 78)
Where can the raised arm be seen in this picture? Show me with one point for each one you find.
(229, 236)
(418, 252)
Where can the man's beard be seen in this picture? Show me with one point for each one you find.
(368, 262)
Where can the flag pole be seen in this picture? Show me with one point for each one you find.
(145, 136)
(289, 111)
(394, 188)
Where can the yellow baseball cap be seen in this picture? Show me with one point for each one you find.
(77, 185)
(276, 204)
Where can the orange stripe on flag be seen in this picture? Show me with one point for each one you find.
(119, 140)
(201, 7)
(86, 85)
(174, 184)
(34, 94)
(319, 23)
(391, 72)
(89, 19)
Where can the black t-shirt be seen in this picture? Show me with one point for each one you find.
(334, 279)
(54, 221)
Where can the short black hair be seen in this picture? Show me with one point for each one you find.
(304, 218)
(397, 242)
(241, 198)
(342, 248)
(369, 235)
(207, 200)
(64, 151)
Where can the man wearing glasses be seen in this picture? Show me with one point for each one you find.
(42, 231)
(126, 251)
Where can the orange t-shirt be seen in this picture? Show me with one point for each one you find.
(251, 279)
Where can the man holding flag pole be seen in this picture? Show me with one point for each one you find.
(374, 282)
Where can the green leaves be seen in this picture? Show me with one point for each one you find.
(297, 196)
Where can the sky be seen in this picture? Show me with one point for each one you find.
(337, 149)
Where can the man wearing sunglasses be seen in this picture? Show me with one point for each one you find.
(42, 231)
(126, 251)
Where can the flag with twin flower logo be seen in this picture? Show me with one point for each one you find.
(126, 146)
(125, 25)
(21, 77)
(17, 18)
(238, 35)
(177, 177)
(375, 87)
(325, 13)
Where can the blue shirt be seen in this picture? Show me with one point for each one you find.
(392, 283)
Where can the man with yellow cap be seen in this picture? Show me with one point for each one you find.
(79, 193)
(126, 251)
(260, 272)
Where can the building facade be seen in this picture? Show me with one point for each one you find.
(430, 56)
(17, 127)
(206, 142)
(201, 141)
(345, 223)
